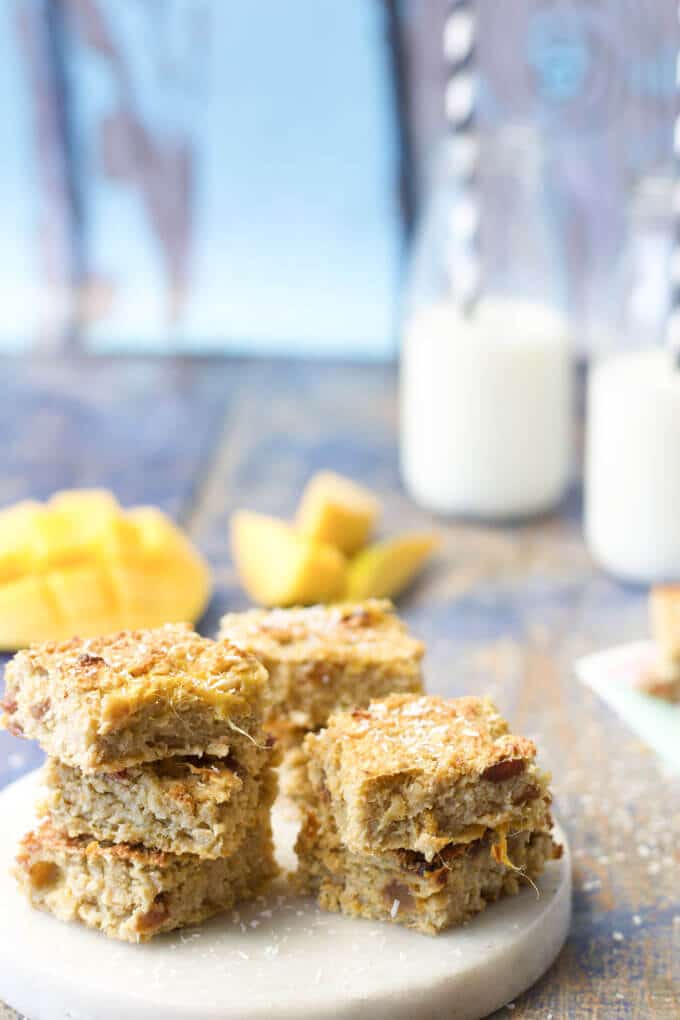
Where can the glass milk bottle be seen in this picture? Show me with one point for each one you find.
(632, 450)
(486, 396)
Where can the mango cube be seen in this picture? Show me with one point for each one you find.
(72, 523)
(83, 599)
(142, 595)
(279, 566)
(80, 564)
(20, 539)
(337, 511)
(383, 570)
(28, 613)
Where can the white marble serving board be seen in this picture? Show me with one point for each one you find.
(281, 959)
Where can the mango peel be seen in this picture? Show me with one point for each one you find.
(80, 564)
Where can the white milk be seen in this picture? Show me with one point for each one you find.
(632, 482)
(486, 409)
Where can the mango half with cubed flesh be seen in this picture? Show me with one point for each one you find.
(337, 511)
(80, 564)
(383, 570)
(279, 566)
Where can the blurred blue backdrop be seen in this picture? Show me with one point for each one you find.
(199, 175)
(209, 175)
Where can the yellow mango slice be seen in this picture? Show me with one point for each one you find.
(183, 578)
(176, 593)
(119, 542)
(96, 524)
(157, 536)
(58, 541)
(337, 511)
(64, 528)
(28, 613)
(85, 600)
(80, 564)
(21, 547)
(383, 570)
(143, 596)
(278, 566)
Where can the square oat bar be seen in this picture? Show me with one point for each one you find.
(108, 703)
(132, 893)
(403, 887)
(200, 806)
(323, 659)
(419, 773)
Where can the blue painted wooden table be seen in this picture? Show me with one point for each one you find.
(505, 611)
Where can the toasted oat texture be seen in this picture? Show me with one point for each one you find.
(664, 680)
(326, 658)
(197, 806)
(132, 893)
(419, 773)
(104, 704)
(403, 887)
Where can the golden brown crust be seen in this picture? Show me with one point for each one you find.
(46, 839)
(365, 632)
(460, 737)
(109, 702)
(324, 659)
(172, 658)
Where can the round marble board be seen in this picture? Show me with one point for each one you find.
(279, 958)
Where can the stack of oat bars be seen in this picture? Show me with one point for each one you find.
(160, 778)
(420, 810)
(321, 660)
(161, 775)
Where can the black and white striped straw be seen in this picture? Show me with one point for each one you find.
(463, 261)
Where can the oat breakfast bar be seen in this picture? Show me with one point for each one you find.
(108, 703)
(325, 658)
(418, 773)
(420, 810)
(404, 887)
(197, 806)
(132, 893)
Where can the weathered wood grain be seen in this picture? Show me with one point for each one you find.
(506, 610)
